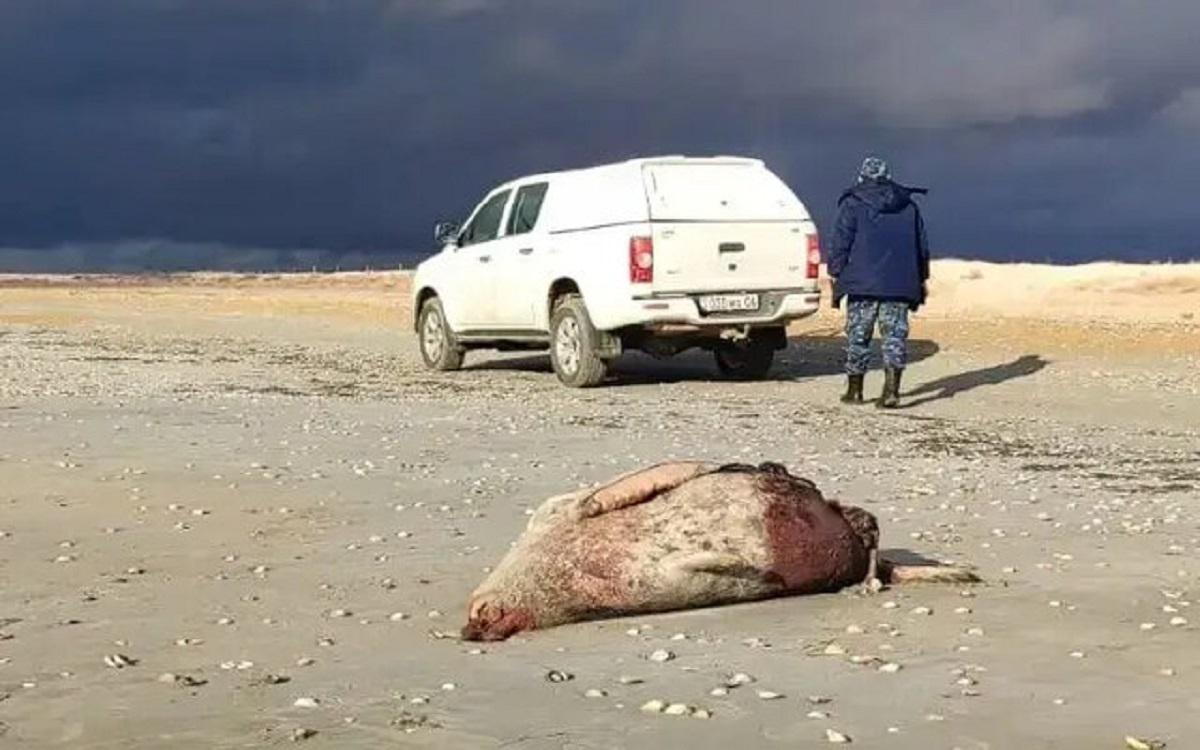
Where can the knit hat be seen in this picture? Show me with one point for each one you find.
(874, 168)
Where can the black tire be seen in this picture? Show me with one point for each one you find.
(747, 360)
(573, 345)
(438, 347)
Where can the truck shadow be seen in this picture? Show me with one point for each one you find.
(806, 356)
(825, 354)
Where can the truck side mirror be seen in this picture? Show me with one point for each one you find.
(445, 233)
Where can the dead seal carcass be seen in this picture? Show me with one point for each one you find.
(678, 536)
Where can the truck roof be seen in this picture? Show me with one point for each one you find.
(637, 164)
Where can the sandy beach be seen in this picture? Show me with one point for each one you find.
(235, 512)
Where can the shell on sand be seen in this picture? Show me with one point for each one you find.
(671, 537)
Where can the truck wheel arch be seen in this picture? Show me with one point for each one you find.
(423, 296)
(559, 290)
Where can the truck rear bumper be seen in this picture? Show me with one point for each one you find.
(777, 308)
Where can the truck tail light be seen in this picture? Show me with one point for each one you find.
(641, 260)
(814, 256)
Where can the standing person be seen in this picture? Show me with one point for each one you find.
(880, 261)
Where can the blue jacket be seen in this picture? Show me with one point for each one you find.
(879, 246)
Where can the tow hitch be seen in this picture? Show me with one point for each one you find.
(736, 335)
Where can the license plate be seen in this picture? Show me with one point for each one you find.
(714, 303)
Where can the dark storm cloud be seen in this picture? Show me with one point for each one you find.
(1046, 129)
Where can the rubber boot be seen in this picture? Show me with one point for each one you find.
(891, 389)
(854, 390)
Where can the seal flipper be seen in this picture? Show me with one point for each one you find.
(895, 574)
(715, 563)
(556, 507)
(641, 486)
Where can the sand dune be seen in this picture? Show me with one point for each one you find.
(1107, 291)
(1102, 307)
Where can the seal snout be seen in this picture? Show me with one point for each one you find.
(491, 621)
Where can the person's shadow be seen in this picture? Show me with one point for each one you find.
(952, 385)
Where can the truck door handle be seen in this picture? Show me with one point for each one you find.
(731, 247)
(526, 251)
(485, 259)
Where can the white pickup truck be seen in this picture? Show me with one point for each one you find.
(658, 255)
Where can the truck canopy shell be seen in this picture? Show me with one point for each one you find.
(715, 190)
(672, 188)
(595, 197)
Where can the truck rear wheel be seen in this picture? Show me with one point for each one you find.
(748, 360)
(439, 350)
(574, 345)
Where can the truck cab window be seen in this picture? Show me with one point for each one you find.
(486, 224)
(526, 208)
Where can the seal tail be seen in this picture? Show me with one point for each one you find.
(895, 574)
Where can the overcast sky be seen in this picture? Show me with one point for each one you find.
(184, 131)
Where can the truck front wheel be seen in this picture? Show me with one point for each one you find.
(439, 350)
(574, 345)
